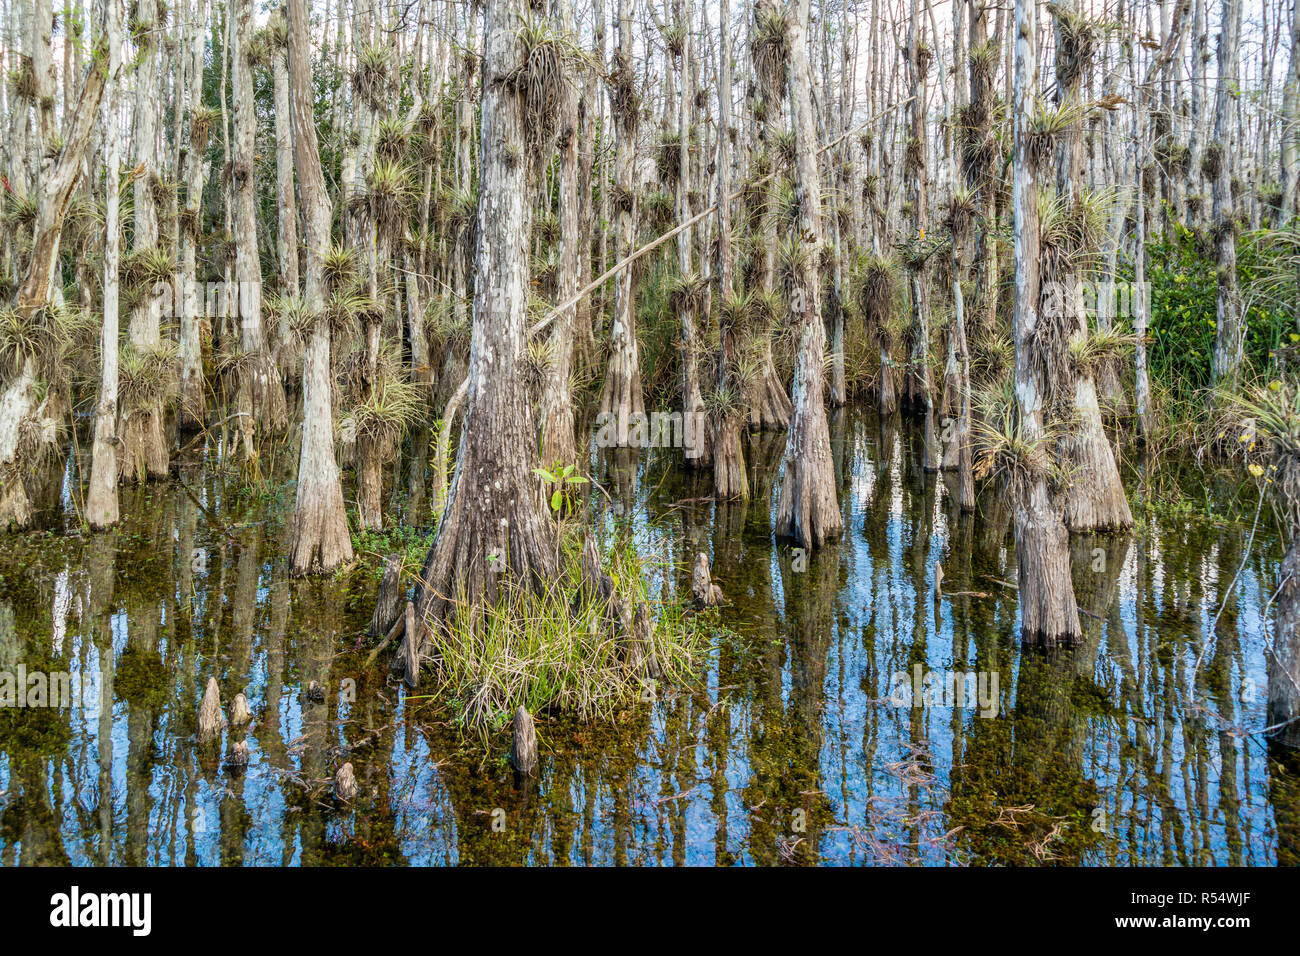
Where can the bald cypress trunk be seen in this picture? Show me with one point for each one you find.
(1290, 151)
(1230, 334)
(918, 385)
(769, 405)
(141, 421)
(494, 525)
(691, 289)
(286, 203)
(319, 541)
(556, 406)
(622, 399)
(101, 498)
(192, 401)
(1048, 613)
(729, 479)
(21, 403)
(807, 509)
(1094, 500)
(259, 394)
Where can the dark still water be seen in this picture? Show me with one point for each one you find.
(818, 730)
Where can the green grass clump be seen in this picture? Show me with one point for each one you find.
(556, 649)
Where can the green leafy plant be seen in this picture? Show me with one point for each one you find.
(560, 477)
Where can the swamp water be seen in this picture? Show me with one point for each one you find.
(817, 731)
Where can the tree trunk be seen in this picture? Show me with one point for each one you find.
(1094, 500)
(494, 523)
(729, 479)
(319, 542)
(259, 393)
(192, 402)
(141, 424)
(1230, 334)
(19, 402)
(621, 401)
(1048, 614)
(1290, 153)
(101, 499)
(698, 454)
(1284, 662)
(807, 509)
(286, 204)
(558, 441)
(918, 387)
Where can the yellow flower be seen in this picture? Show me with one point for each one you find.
(1255, 470)
(1275, 386)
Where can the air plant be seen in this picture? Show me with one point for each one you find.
(724, 401)
(962, 212)
(444, 324)
(542, 78)
(339, 266)
(770, 51)
(668, 158)
(1049, 122)
(1071, 230)
(1002, 446)
(19, 210)
(142, 269)
(785, 203)
(40, 335)
(392, 136)
(370, 78)
(657, 211)
(146, 376)
(202, 119)
(992, 356)
(538, 359)
(793, 260)
(1077, 36)
(674, 38)
(785, 148)
(687, 293)
(875, 289)
(624, 101)
(1099, 349)
(392, 406)
(391, 191)
(22, 78)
